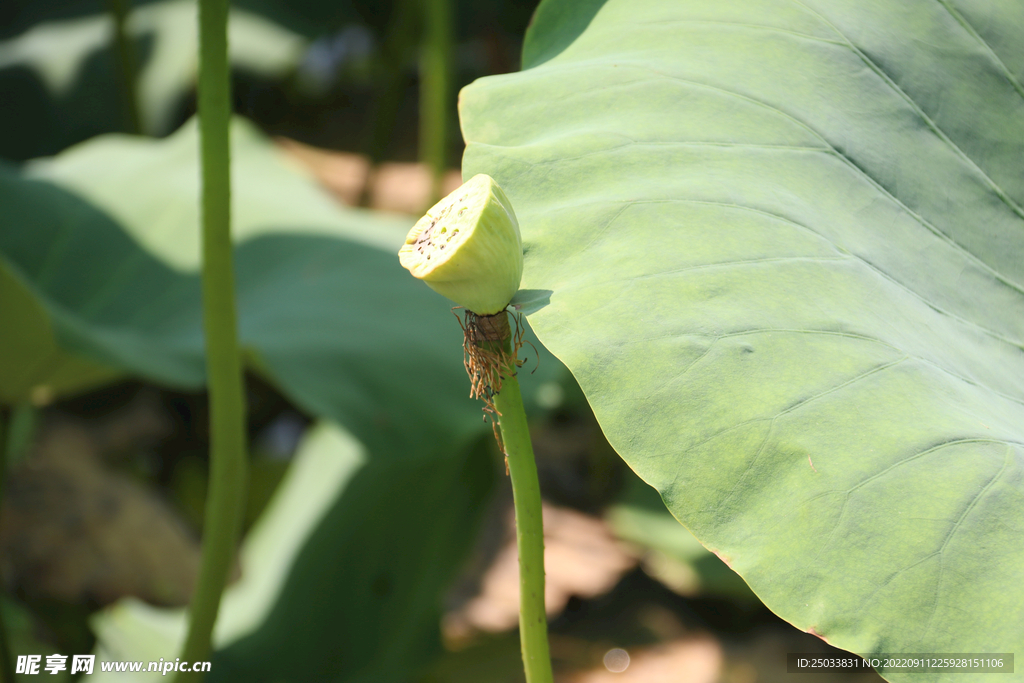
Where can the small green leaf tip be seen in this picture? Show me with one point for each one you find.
(468, 247)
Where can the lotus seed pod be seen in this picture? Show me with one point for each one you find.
(468, 247)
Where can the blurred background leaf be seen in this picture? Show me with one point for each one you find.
(64, 69)
(100, 250)
(322, 298)
(341, 576)
(62, 75)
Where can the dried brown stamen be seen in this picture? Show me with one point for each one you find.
(486, 360)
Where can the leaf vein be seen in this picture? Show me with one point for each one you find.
(796, 406)
(881, 73)
(737, 24)
(952, 532)
(962, 20)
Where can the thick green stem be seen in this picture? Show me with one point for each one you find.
(533, 624)
(226, 497)
(126, 65)
(435, 78)
(6, 659)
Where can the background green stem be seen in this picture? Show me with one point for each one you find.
(6, 658)
(401, 41)
(515, 433)
(435, 77)
(126, 65)
(226, 497)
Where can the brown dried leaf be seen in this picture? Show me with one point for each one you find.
(341, 173)
(391, 186)
(694, 660)
(581, 558)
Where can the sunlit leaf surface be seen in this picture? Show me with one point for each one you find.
(784, 249)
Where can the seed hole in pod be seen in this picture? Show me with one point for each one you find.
(444, 230)
(428, 257)
(462, 211)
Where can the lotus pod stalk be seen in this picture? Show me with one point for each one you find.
(469, 249)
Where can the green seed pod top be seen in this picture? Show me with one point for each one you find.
(468, 247)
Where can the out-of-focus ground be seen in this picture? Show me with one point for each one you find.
(391, 186)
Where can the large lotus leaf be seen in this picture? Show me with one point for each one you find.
(103, 239)
(785, 254)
